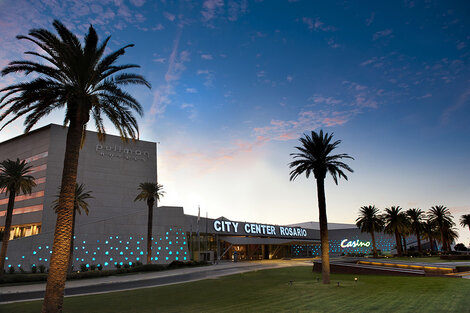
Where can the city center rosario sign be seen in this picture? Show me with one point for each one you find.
(258, 229)
(354, 244)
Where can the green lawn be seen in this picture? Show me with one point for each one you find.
(270, 291)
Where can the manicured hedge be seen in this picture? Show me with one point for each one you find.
(30, 277)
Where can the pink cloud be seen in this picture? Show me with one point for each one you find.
(210, 8)
(382, 33)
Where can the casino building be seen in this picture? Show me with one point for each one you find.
(114, 230)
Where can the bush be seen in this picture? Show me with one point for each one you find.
(42, 268)
(34, 269)
(92, 267)
(99, 267)
(176, 264)
(11, 269)
(126, 265)
(117, 265)
(22, 270)
(460, 247)
(83, 268)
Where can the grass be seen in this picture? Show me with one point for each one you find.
(270, 291)
(429, 259)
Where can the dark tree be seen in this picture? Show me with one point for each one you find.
(80, 79)
(370, 221)
(151, 193)
(315, 157)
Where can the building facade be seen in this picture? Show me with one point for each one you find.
(114, 231)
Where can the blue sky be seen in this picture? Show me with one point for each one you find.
(236, 83)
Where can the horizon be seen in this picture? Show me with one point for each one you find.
(235, 84)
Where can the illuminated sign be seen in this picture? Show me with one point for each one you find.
(354, 244)
(258, 229)
(115, 151)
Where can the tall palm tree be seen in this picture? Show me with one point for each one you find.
(14, 179)
(370, 221)
(465, 220)
(450, 235)
(151, 193)
(441, 217)
(395, 223)
(79, 78)
(314, 157)
(429, 233)
(79, 204)
(416, 222)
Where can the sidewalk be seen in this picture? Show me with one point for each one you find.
(150, 279)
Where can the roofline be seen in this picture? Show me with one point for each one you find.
(50, 126)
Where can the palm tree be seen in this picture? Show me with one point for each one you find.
(314, 157)
(395, 223)
(79, 78)
(370, 221)
(150, 192)
(450, 235)
(416, 222)
(441, 217)
(80, 203)
(465, 220)
(429, 233)
(14, 179)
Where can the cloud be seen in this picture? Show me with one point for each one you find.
(370, 20)
(461, 102)
(206, 56)
(209, 77)
(187, 105)
(138, 3)
(169, 16)
(159, 60)
(210, 8)
(191, 90)
(236, 8)
(306, 121)
(428, 95)
(158, 27)
(382, 34)
(317, 25)
(176, 61)
(318, 99)
(290, 78)
(333, 44)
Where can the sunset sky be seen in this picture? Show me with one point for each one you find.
(236, 83)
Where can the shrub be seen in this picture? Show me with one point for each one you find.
(22, 270)
(11, 269)
(92, 267)
(117, 265)
(126, 265)
(34, 269)
(42, 268)
(99, 267)
(176, 264)
(83, 268)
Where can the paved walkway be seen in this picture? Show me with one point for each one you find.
(143, 280)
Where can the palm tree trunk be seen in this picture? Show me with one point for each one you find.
(149, 232)
(398, 242)
(325, 246)
(431, 242)
(373, 244)
(419, 241)
(71, 243)
(404, 245)
(443, 240)
(6, 233)
(54, 297)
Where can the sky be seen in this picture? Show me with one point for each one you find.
(235, 84)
